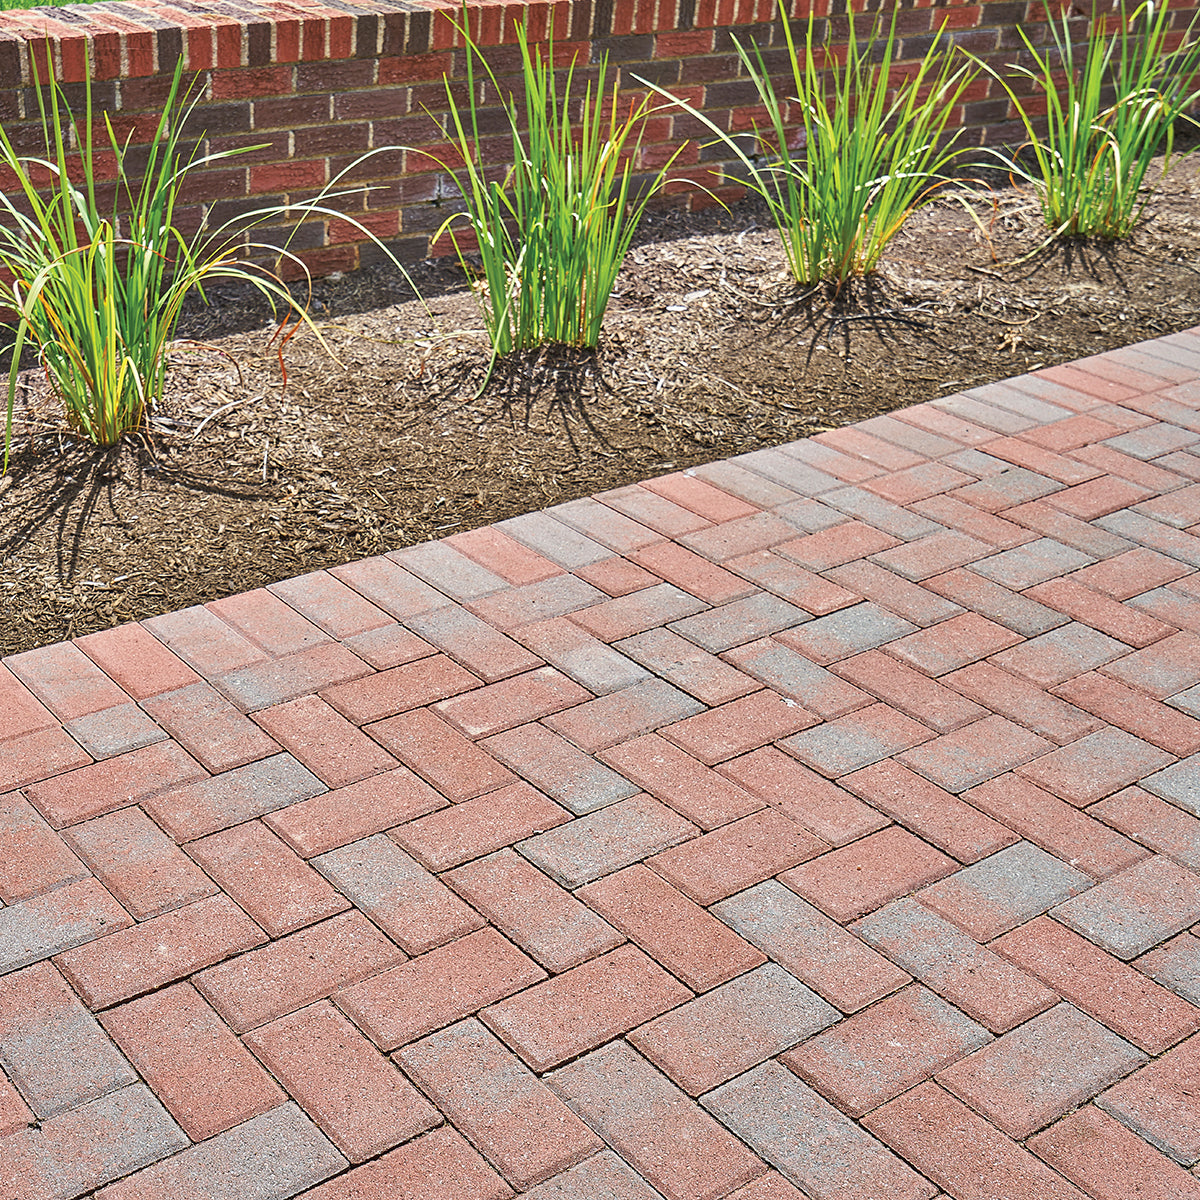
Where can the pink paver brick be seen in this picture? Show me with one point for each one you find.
(819, 806)
(812, 592)
(731, 539)
(1036, 458)
(475, 827)
(585, 1007)
(1103, 762)
(1160, 1102)
(137, 661)
(703, 579)
(858, 878)
(959, 760)
(412, 685)
(35, 858)
(38, 755)
(832, 547)
(1131, 573)
(1132, 710)
(206, 1078)
(360, 1100)
(851, 440)
(506, 557)
(914, 602)
(580, 656)
(935, 554)
(267, 878)
(65, 680)
(911, 692)
(622, 715)
(438, 988)
(388, 646)
(702, 498)
(204, 641)
(767, 1187)
(666, 1136)
(1056, 826)
(266, 620)
(736, 856)
(209, 728)
(695, 791)
(296, 970)
(127, 779)
(739, 726)
(974, 522)
(928, 810)
(1098, 497)
(675, 931)
(962, 1152)
(917, 483)
(1110, 1162)
(511, 1115)
(501, 706)
(545, 920)
(1100, 612)
(473, 643)
(324, 741)
(330, 605)
(1073, 432)
(1153, 822)
(346, 814)
(139, 864)
(876, 1054)
(452, 763)
(952, 644)
(158, 951)
(1120, 997)
(292, 676)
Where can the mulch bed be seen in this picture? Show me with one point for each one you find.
(708, 352)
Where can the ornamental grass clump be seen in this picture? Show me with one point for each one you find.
(869, 154)
(552, 233)
(1111, 108)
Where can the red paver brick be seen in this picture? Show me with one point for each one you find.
(1109, 1162)
(1053, 658)
(876, 1054)
(1073, 432)
(692, 789)
(514, 1118)
(1098, 497)
(929, 810)
(962, 1152)
(269, 880)
(116, 782)
(739, 726)
(672, 929)
(995, 602)
(1056, 826)
(702, 498)
(917, 483)
(554, 597)
(737, 856)
(812, 592)
(623, 715)
(139, 864)
(545, 920)
(330, 605)
(20, 710)
(292, 676)
(1032, 1075)
(914, 602)
(952, 644)
(268, 621)
(38, 755)
(159, 951)
(1131, 573)
(1160, 1102)
(14, 1112)
(617, 576)
(687, 666)
(731, 539)
(40, 926)
(1167, 667)
(1125, 466)
(390, 587)
(210, 728)
(473, 643)
(649, 608)
(296, 970)
(959, 760)
(666, 1136)
(852, 440)
(945, 424)
(501, 706)
(412, 685)
(1132, 710)
(1061, 527)
(804, 796)
(204, 641)
(475, 827)
(136, 660)
(858, 878)
(767, 1187)
(360, 1100)
(1104, 987)
(1036, 458)
(933, 555)
(437, 1165)
(1022, 701)
(336, 818)
(693, 574)
(1083, 772)
(438, 988)
(35, 858)
(388, 646)
(974, 522)
(65, 680)
(584, 1007)
(506, 557)
(914, 694)
(832, 547)
(448, 570)
(1153, 822)
(208, 1081)
(577, 654)
(1100, 612)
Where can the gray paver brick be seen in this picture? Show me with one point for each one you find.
(554, 540)
(1176, 965)
(604, 1176)
(874, 510)
(848, 631)
(740, 621)
(1032, 563)
(448, 570)
(33, 929)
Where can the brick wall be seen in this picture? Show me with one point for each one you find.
(317, 85)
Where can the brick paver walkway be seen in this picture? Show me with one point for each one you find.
(825, 821)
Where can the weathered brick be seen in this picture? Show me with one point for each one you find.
(65, 680)
(791, 674)
(479, 647)
(604, 1175)
(449, 570)
(37, 927)
(1175, 964)
(330, 604)
(952, 644)
(968, 756)
(845, 632)
(693, 574)
(553, 597)
(113, 731)
(136, 660)
(204, 641)
(507, 558)
(1132, 710)
(1018, 613)
(35, 859)
(411, 685)
(268, 621)
(857, 740)
(810, 591)
(1084, 771)
(501, 706)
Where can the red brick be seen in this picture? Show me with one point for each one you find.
(739, 726)
(324, 741)
(209, 728)
(623, 715)
(952, 644)
(1084, 771)
(65, 680)
(962, 1152)
(584, 1007)
(794, 674)
(500, 706)
(292, 676)
(514, 1118)
(20, 710)
(1099, 611)
(473, 643)
(1154, 823)
(616, 576)
(1134, 711)
(137, 661)
(730, 539)
(545, 920)
(506, 557)
(412, 685)
(1055, 825)
(702, 498)
(913, 602)
(197, 1068)
(1044, 462)
(204, 641)
(1163, 669)
(70, 915)
(767, 1187)
(933, 555)
(912, 693)
(735, 857)
(812, 592)
(330, 604)
(389, 646)
(139, 864)
(1104, 987)
(1098, 497)
(945, 424)
(858, 878)
(14, 1112)
(703, 579)
(1109, 1162)
(114, 783)
(1131, 573)
(273, 884)
(917, 483)
(687, 666)
(38, 755)
(1022, 701)
(882, 1051)
(840, 544)
(804, 796)
(438, 988)
(475, 827)
(343, 1082)
(264, 618)
(35, 858)
(672, 929)
(435, 1166)
(1127, 467)
(336, 818)
(625, 616)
